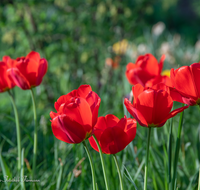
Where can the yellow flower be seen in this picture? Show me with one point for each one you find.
(120, 47)
(166, 73)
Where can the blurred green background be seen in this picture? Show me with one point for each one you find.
(77, 38)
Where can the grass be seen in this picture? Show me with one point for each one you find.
(62, 166)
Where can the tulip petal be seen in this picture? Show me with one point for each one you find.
(65, 99)
(178, 97)
(145, 104)
(5, 82)
(160, 65)
(176, 111)
(18, 78)
(98, 130)
(95, 113)
(137, 89)
(53, 114)
(195, 69)
(159, 79)
(135, 74)
(131, 128)
(130, 66)
(79, 111)
(9, 62)
(161, 86)
(130, 73)
(135, 113)
(93, 99)
(111, 120)
(172, 76)
(122, 123)
(184, 76)
(162, 106)
(141, 76)
(67, 130)
(35, 56)
(148, 63)
(113, 140)
(93, 143)
(28, 68)
(42, 69)
(84, 90)
(100, 125)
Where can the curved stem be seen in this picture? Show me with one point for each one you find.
(119, 173)
(170, 155)
(18, 130)
(102, 162)
(177, 149)
(91, 164)
(147, 158)
(35, 135)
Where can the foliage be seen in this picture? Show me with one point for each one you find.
(76, 37)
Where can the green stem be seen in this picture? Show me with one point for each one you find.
(22, 171)
(119, 172)
(102, 162)
(199, 180)
(35, 135)
(91, 164)
(170, 155)
(18, 131)
(177, 150)
(147, 158)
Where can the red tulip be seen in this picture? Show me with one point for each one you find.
(186, 81)
(151, 106)
(145, 68)
(113, 134)
(28, 71)
(76, 116)
(6, 82)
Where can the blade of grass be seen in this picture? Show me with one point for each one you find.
(59, 175)
(4, 168)
(128, 176)
(139, 169)
(8, 140)
(67, 181)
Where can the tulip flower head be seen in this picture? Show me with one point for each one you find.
(145, 68)
(76, 116)
(113, 134)
(186, 81)
(151, 106)
(6, 83)
(28, 71)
